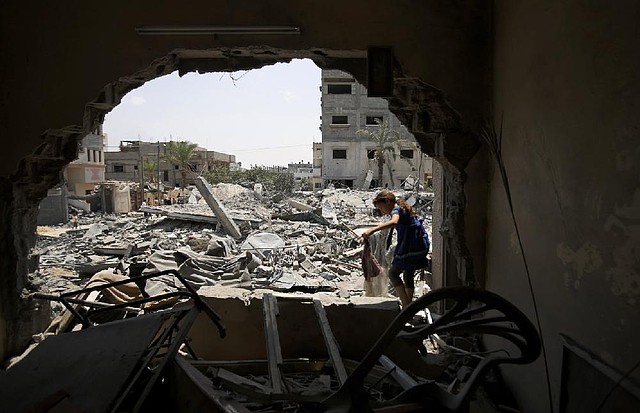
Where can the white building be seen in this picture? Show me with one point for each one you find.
(84, 173)
(347, 159)
(301, 171)
(316, 179)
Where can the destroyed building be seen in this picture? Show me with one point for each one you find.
(88, 170)
(127, 163)
(528, 108)
(347, 160)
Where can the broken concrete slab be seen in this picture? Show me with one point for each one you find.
(90, 366)
(309, 216)
(218, 209)
(183, 216)
(299, 205)
(263, 244)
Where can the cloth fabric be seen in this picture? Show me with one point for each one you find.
(370, 265)
(119, 294)
(196, 268)
(413, 242)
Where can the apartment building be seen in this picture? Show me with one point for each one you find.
(88, 169)
(126, 164)
(346, 158)
(302, 174)
(316, 179)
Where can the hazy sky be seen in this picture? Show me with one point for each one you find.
(268, 116)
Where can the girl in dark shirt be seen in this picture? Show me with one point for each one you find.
(413, 242)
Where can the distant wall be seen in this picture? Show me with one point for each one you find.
(54, 208)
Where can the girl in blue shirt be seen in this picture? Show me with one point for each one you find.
(413, 244)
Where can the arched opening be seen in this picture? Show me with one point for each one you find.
(422, 108)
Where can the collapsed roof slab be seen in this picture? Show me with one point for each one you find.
(356, 324)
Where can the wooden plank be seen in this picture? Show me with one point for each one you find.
(330, 342)
(404, 380)
(260, 367)
(272, 337)
(242, 384)
(193, 392)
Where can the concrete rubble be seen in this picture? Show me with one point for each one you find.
(305, 241)
(257, 267)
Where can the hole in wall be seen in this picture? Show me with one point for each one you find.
(36, 174)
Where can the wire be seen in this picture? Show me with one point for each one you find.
(267, 148)
(493, 139)
(616, 385)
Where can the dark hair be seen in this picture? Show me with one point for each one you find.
(403, 205)
(388, 196)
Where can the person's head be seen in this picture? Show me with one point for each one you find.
(384, 201)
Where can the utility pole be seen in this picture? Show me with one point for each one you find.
(158, 193)
(141, 168)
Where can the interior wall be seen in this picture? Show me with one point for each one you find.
(64, 66)
(89, 46)
(566, 87)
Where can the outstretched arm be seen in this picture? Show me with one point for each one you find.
(390, 223)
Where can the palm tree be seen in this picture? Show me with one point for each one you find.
(179, 154)
(384, 137)
(150, 169)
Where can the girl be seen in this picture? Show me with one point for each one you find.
(413, 242)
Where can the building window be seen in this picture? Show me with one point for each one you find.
(406, 153)
(118, 168)
(371, 120)
(339, 120)
(342, 183)
(135, 167)
(94, 156)
(165, 175)
(88, 155)
(176, 167)
(339, 154)
(100, 156)
(317, 185)
(371, 154)
(339, 89)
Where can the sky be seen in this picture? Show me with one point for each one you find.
(267, 116)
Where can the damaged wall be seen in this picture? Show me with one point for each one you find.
(568, 94)
(51, 95)
(569, 97)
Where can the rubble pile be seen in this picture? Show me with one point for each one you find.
(301, 242)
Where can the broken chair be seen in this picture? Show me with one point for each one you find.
(90, 312)
(104, 367)
(471, 314)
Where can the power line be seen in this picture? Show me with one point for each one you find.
(268, 148)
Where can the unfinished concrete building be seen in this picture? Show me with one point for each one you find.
(347, 158)
(126, 164)
(531, 108)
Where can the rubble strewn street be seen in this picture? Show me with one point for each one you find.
(304, 241)
(261, 268)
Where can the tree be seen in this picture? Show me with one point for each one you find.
(270, 179)
(306, 184)
(384, 138)
(179, 154)
(150, 169)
